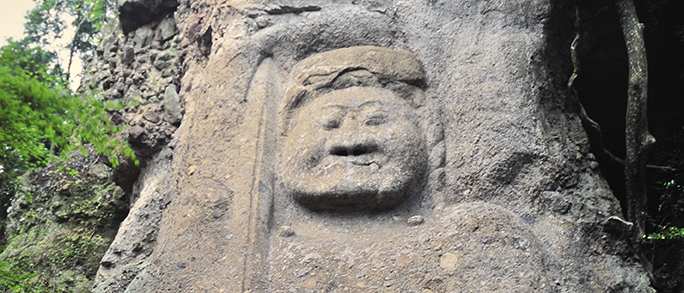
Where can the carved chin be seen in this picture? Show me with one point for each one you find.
(352, 197)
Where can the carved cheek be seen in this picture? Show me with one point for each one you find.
(407, 145)
(308, 151)
(393, 139)
(313, 157)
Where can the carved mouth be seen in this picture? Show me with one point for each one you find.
(353, 151)
(365, 154)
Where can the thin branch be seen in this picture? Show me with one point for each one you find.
(73, 43)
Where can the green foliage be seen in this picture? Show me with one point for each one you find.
(10, 168)
(41, 120)
(56, 233)
(668, 223)
(664, 233)
(671, 198)
(12, 279)
(32, 116)
(39, 117)
(37, 122)
(47, 19)
(32, 61)
(77, 248)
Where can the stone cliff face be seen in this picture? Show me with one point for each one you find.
(218, 94)
(135, 65)
(60, 223)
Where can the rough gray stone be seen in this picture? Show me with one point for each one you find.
(151, 117)
(477, 141)
(153, 54)
(172, 104)
(167, 28)
(143, 36)
(165, 59)
(124, 259)
(286, 231)
(128, 55)
(617, 226)
(415, 221)
(135, 132)
(388, 158)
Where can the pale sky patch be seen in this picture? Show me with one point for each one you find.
(12, 13)
(12, 19)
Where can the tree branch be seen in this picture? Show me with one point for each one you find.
(590, 123)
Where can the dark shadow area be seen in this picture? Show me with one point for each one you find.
(134, 14)
(664, 35)
(602, 88)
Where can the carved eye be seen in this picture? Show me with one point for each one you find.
(376, 119)
(330, 118)
(331, 124)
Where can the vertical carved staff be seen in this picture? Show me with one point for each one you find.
(263, 89)
(637, 138)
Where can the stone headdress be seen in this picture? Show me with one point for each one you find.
(395, 69)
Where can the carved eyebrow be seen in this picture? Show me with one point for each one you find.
(359, 107)
(368, 103)
(335, 106)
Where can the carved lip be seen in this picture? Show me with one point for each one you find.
(364, 162)
(374, 161)
(362, 154)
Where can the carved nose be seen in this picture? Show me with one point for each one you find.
(354, 149)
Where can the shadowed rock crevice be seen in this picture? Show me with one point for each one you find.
(292, 9)
(136, 13)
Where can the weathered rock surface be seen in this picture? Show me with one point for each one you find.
(60, 223)
(137, 70)
(138, 233)
(472, 247)
(508, 197)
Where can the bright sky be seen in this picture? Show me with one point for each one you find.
(12, 13)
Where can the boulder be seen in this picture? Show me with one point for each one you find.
(365, 146)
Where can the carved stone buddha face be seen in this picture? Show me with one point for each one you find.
(356, 148)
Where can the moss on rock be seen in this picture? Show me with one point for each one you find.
(60, 223)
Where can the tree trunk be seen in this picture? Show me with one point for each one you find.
(638, 140)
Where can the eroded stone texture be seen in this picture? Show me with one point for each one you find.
(507, 198)
(357, 145)
(137, 234)
(135, 73)
(467, 248)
